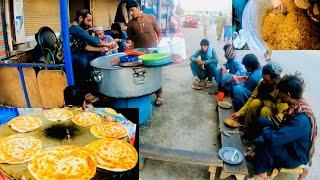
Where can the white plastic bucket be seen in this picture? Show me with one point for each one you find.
(164, 45)
(178, 47)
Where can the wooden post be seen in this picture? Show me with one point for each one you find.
(8, 26)
(240, 176)
(224, 175)
(141, 163)
(212, 171)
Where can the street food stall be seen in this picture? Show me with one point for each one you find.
(29, 140)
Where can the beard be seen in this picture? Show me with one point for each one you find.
(84, 26)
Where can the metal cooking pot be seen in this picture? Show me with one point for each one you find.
(120, 82)
(252, 20)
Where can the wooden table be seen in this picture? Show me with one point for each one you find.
(234, 140)
(84, 137)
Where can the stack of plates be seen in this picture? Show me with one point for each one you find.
(128, 58)
(156, 59)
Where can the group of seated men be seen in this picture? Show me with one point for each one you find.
(277, 119)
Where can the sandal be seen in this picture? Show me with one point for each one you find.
(196, 81)
(159, 101)
(249, 155)
(208, 84)
(197, 86)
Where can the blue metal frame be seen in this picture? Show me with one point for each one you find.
(51, 66)
(21, 75)
(66, 40)
(23, 84)
(66, 50)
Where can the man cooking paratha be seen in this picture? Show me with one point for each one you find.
(143, 32)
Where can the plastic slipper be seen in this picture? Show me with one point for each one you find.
(208, 84)
(197, 86)
(159, 101)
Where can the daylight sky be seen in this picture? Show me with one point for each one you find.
(216, 5)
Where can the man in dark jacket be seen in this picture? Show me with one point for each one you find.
(290, 144)
(84, 47)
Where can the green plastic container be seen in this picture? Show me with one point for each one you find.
(154, 57)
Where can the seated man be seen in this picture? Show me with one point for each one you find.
(98, 31)
(243, 91)
(203, 67)
(84, 47)
(118, 35)
(227, 79)
(292, 143)
(264, 100)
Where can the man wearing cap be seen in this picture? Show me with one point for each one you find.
(226, 80)
(264, 100)
(99, 32)
(203, 67)
(143, 32)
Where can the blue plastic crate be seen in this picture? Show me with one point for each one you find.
(6, 114)
(143, 103)
(128, 58)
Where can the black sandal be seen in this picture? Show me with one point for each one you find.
(250, 154)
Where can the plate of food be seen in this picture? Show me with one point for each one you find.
(231, 122)
(224, 104)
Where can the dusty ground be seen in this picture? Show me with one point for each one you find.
(188, 119)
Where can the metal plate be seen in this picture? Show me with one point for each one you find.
(224, 104)
(230, 155)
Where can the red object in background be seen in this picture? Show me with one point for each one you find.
(193, 23)
(133, 52)
(220, 96)
(3, 176)
(132, 140)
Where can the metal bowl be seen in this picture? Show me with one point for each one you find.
(252, 21)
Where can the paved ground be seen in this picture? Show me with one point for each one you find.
(307, 63)
(188, 120)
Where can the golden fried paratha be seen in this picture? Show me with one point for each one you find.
(114, 154)
(231, 122)
(65, 162)
(25, 123)
(87, 119)
(109, 130)
(19, 148)
(111, 111)
(58, 114)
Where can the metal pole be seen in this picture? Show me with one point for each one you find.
(66, 40)
(158, 12)
(24, 87)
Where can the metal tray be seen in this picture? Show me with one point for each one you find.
(230, 155)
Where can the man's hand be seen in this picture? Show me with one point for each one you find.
(102, 50)
(277, 5)
(199, 62)
(235, 116)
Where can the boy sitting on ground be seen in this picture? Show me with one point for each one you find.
(203, 67)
